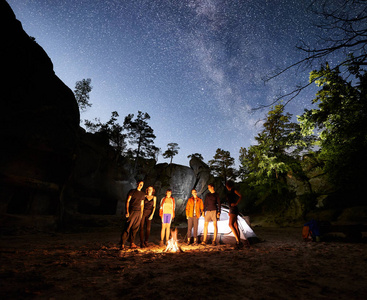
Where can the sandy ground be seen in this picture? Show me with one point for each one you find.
(89, 265)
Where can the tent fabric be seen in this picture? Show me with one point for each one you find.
(224, 231)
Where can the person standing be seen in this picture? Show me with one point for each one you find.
(212, 207)
(134, 212)
(167, 214)
(194, 209)
(148, 213)
(233, 198)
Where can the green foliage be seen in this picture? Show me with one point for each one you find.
(269, 200)
(276, 153)
(249, 197)
(81, 92)
(171, 151)
(221, 165)
(341, 123)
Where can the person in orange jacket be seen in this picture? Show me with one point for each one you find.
(194, 209)
(167, 214)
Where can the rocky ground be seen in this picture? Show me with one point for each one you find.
(88, 265)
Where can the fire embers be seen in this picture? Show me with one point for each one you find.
(172, 244)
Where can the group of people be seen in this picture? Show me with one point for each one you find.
(140, 208)
(210, 209)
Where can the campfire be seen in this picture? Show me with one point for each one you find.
(172, 245)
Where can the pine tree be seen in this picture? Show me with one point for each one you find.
(171, 151)
(81, 92)
(221, 165)
(140, 134)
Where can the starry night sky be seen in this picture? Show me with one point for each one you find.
(196, 66)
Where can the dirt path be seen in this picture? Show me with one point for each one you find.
(90, 266)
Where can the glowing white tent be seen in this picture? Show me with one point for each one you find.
(225, 234)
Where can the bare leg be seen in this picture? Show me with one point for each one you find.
(168, 229)
(163, 231)
(215, 231)
(236, 228)
(232, 221)
(205, 231)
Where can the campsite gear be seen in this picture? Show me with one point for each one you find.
(225, 234)
(306, 235)
(311, 231)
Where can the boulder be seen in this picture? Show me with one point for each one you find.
(321, 185)
(203, 176)
(180, 179)
(299, 187)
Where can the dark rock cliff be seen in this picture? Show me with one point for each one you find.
(39, 121)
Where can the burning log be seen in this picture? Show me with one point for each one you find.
(172, 244)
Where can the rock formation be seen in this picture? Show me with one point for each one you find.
(39, 121)
(179, 178)
(202, 174)
(100, 179)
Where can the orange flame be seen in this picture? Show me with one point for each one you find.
(172, 245)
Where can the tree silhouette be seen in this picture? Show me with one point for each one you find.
(81, 92)
(344, 24)
(221, 165)
(171, 151)
(112, 129)
(140, 134)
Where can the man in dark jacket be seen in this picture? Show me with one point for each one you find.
(212, 208)
(134, 212)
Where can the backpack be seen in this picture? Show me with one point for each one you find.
(311, 231)
(306, 233)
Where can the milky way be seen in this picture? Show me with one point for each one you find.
(197, 67)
